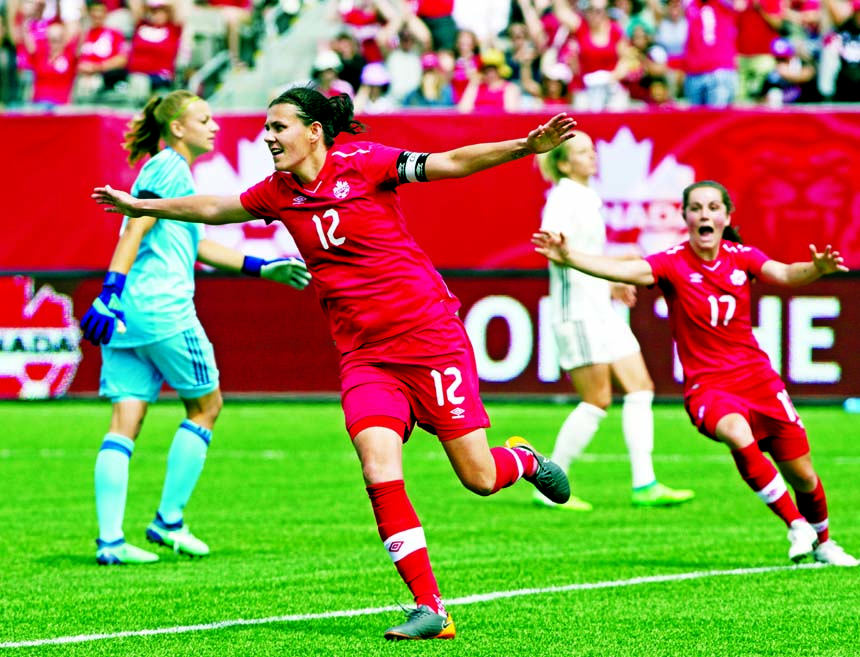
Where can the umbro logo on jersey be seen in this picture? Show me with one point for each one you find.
(298, 200)
(458, 413)
(696, 277)
(341, 189)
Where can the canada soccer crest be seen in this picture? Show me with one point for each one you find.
(39, 340)
(341, 189)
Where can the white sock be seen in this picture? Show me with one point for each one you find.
(575, 434)
(111, 480)
(637, 423)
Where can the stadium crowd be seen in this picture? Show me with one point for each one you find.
(57, 52)
(489, 55)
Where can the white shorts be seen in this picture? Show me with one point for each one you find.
(601, 337)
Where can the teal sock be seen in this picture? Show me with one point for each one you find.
(185, 462)
(111, 478)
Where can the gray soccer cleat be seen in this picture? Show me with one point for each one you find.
(422, 623)
(549, 479)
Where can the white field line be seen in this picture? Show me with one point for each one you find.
(281, 455)
(346, 613)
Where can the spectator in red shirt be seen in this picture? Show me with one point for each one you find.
(155, 44)
(29, 28)
(103, 54)
(437, 15)
(54, 68)
(600, 45)
(364, 19)
(490, 90)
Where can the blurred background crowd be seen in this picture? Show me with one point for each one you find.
(468, 55)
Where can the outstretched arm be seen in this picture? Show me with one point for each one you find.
(554, 247)
(467, 160)
(289, 270)
(195, 209)
(802, 273)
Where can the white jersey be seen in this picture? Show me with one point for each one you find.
(587, 328)
(574, 209)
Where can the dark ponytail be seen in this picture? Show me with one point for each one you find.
(731, 234)
(335, 115)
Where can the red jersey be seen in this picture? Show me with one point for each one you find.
(372, 278)
(101, 44)
(154, 49)
(241, 4)
(711, 36)
(54, 77)
(754, 33)
(594, 57)
(432, 8)
(709, 315)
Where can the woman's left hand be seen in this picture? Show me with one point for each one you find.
(553, 133)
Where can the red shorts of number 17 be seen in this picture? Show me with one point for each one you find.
(766, 406)
(426, 376)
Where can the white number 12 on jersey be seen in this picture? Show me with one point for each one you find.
(327, 237)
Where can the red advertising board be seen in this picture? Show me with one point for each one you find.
(792, 174)
(271, 339)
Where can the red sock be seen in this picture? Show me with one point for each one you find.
(813, 506)
(511, 464)
(403, 538)
(761, 475)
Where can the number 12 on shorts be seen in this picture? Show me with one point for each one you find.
(452, 377)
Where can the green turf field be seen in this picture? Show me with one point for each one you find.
(297, 567)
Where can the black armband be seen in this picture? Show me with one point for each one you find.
(410, 167)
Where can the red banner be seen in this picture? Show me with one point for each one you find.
(272, 339)
(792, 174)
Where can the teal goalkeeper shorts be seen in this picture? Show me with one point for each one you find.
(186, 361)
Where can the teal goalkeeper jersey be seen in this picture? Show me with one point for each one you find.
(158, 299)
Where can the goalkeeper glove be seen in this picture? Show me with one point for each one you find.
(291, 271)
(105, 315)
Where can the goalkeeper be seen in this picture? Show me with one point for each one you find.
(147, 325)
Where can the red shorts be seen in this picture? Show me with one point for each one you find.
(426, 376)
(768, 409)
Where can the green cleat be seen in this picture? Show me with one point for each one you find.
(549, 479)
(657, 494)
(422, 623)
(118, 553)
(573, 504)
(181, 540)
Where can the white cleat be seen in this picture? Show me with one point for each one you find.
(181, 540)
(803, 539)
(831, 553)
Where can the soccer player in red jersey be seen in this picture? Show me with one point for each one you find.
(405, 356)
(731, 392)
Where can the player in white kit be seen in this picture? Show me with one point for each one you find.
(595, 344)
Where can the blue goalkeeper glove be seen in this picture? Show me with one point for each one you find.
(105, 315)
(292, 271)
